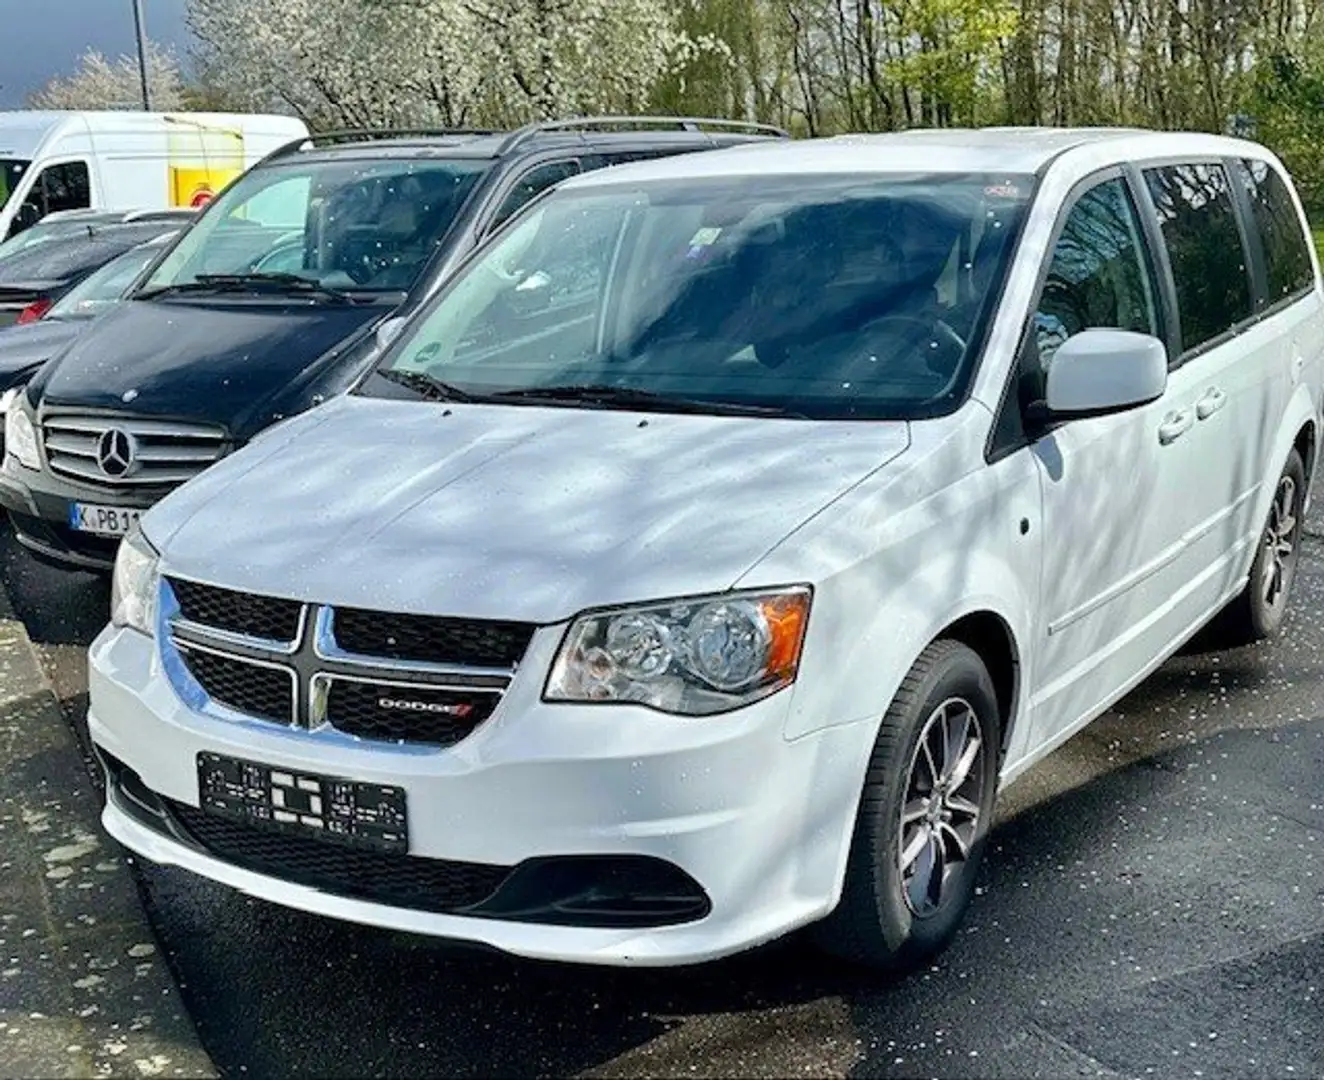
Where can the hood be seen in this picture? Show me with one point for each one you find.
(234, 363)
(25, 348)
(507, 512)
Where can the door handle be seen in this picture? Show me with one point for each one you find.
(1175, 425)
(1213, 400)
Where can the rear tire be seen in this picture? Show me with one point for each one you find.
(1259, 611)
(923, 815)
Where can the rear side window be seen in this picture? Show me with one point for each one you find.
(1209, 265)
(1286, 256)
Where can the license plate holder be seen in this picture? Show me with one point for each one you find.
(335, 808)
(103, 520)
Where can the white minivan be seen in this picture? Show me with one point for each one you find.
(702, 560)
(51, 161)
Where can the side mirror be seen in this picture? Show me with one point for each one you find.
(1098, 372)
(389, 329)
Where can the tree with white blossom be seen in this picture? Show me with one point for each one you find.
(101, 83)
(456, 62)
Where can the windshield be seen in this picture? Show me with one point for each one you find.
(362, 225)
(856, 297)
(10, 173)
(107, 286)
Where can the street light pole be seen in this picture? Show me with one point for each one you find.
(142, 53)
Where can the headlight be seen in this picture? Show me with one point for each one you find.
(691, 657)
(134, 589)
(20, 435)
(7, 399)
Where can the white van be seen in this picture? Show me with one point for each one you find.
(701, 561)
(52, 161)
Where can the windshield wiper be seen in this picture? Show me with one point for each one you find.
(429, 386)
(284, 283)
(624, 396)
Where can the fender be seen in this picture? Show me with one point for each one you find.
(899, 560)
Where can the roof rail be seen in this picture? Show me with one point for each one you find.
(692, 124)
(349, 135)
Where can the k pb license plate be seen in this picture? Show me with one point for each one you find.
(304, 804)
(102, 520)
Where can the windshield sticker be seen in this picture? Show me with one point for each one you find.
(702, 241)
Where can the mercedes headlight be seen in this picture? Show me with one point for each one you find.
(20, 434)
(691, 657)
(134, 589)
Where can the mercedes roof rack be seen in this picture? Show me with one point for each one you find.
(353, 135)
(582, 125)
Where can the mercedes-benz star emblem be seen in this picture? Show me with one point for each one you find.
(116, 451)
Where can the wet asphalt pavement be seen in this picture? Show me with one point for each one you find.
(1152, 905)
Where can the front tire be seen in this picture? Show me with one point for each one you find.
(1258, 613)
(923, 815)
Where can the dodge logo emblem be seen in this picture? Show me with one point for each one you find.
(116, 451)
(401, 705)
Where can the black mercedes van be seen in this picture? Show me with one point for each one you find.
(273, 301)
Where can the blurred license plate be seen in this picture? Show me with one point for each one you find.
(364, 815)
(102, 520)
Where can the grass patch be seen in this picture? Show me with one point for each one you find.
(1319, 242)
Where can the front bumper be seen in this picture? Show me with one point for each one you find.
(758, 824)
(38, 503)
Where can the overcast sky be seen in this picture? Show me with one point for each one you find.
(41, 38)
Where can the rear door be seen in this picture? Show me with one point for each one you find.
(1231, 378)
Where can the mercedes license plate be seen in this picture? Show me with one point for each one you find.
(102, 520)
(304, 804)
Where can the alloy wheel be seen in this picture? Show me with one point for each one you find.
(941, 812)
(1280, 545)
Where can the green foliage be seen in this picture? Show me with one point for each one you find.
(816, 67)
(1287, 100)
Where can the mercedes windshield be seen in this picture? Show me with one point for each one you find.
(333, 225)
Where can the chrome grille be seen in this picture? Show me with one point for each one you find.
(159, 452)
(282, 661)
(263, 692)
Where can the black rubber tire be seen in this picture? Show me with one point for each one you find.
(872, 925)
(1249, 618)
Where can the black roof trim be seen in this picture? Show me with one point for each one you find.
(581, 126)
(342, 136)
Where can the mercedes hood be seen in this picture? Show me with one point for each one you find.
(236, 363)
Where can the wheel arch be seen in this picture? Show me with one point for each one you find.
(992, 639)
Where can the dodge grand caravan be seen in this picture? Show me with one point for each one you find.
(273, 303)
(702, 560)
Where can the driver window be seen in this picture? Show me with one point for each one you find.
(532, 183)
(58, 187)
(1100, 276)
